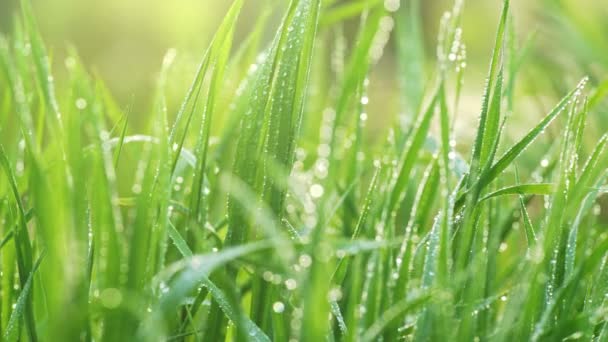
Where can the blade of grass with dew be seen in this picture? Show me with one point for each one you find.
(556, 230)
(191, 99)
(17, 90)
(163, 177)
(521, 145)
(278, 92)
(231, 311)
(522, 189)
(528, 227)
(418, 218)
(428, 317)
(490, 113)
(339, 273)
(246, 55)
(218, 60)
(192, 271)
(410, 154)
(342, 267)
(485, 141)
(399, 309)
(23, 248)
(12, 330)
(105, 219)
(355, 74)
(44, 77)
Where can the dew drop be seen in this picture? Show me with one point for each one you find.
(544, 163)
(81, 103)
(316, 191)
(335, 294)
(305, 260)
(111, 298)
(391, 5)
(278, 307)
(291, 284)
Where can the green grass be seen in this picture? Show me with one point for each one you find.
(261, 210)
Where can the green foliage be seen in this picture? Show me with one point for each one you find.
(233, 219)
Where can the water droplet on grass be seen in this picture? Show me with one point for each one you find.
(305, 260)
(335, 294)
(111, 298)
(278, 307)
(316, 191)
(392, 5)
(291, 284)
(544, 163)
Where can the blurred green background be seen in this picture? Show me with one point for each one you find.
(123, 42)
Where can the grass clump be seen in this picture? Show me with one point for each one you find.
(263, 212)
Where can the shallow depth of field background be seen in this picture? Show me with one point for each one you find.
(123, 42)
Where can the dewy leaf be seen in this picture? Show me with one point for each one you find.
(192, 96)
(341, 268)
(219, 59)
(18, 93)
(490, 112)
(225, 304)
(530, 233)
(22, 244)
(43, 66)
(396, 310)
(520, 146)
(412, 150)
(522, 189)
(12, 330)
(271, 123)
(356, 72)
(190, 272)
(492, 130)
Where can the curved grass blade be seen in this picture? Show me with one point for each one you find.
(23, 246)
(522, 189)
(191, 271)
(490, 112)
(6, 239)
(234, 314)
(43, 67)
(530, 233)
(192, 96)
(12, 330)
(520, 146)
(395, 311)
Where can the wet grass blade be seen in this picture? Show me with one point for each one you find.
(23, 246)
(521, 145)
(13, 327)
(521, 189)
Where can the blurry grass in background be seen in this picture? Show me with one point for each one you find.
(124, 41)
